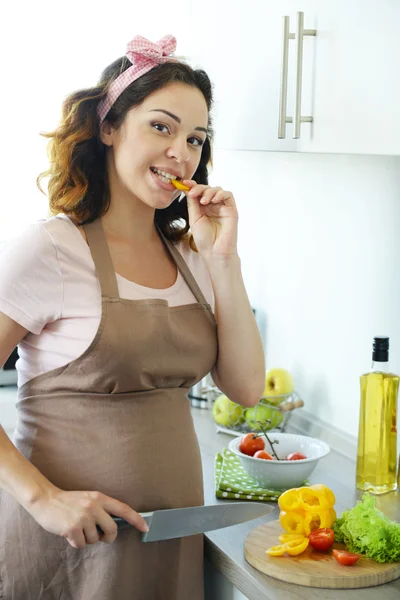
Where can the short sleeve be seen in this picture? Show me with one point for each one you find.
(31, 284)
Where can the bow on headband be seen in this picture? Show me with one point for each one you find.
(140, 49)
(144, 56)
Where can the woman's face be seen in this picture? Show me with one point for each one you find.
(165, 133)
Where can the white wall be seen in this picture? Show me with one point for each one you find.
(320, 247)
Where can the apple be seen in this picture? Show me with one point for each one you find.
(278, 382)
(227, 413)
(262, 412)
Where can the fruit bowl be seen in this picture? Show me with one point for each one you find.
(282, 474)
(233, 418)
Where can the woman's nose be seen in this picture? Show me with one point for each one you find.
(179, 151)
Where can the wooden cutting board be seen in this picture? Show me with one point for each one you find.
(312, 568)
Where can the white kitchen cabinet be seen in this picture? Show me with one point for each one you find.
(350, 82)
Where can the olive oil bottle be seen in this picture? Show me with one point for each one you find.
(377, 431)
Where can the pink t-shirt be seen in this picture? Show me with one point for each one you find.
(48, 284)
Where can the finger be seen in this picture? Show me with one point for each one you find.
(91, 534)
(76, 539)
(221, 196)
(209, 195)
(216, 195)
(194, 210)
(119, 509)
(195, 188)
(108, 526)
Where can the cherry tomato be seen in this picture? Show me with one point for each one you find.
(345, 558)
(250, 444)
(322, 539)
(296, 456)
(263, 454)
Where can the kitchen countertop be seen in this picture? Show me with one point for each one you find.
(224, 548)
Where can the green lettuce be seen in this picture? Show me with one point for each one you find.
(366, 530)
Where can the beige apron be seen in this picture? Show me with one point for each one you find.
(117, 420)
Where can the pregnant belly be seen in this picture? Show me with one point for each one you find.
(140, 448)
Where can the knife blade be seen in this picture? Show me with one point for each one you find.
(180, 522)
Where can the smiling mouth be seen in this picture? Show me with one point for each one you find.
(164, 176)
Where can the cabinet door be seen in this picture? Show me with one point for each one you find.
(239, 45)
(350, 84)
(356, 94)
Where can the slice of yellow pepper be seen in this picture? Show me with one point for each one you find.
(276, 550)
(293, 521)
(293, 548)
(312, 500)
(289, 500)
(327, 491)
(179, 186)
(296, 546)
(290, 537)
(319, 519)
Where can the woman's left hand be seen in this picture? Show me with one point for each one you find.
(213, 219)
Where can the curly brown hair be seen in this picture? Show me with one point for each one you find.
(78, 182)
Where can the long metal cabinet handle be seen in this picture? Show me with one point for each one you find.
(284, 78)
(301, 32)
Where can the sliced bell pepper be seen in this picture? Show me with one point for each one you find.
(289, 500)
(276, 550)
(293, 521)
(296, 547)
(179, 185)
(293, 548)
(319, 519)
(290, 537)
(312, 500)
(328, 492)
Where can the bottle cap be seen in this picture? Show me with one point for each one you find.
(380, 349)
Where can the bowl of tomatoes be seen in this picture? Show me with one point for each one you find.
(278, 461)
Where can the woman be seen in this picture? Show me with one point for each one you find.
(111, 305)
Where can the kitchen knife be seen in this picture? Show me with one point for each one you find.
(180, 522)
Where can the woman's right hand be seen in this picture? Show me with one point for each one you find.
(75, 515)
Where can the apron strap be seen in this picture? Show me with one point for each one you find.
(102, 258)
(184, 269)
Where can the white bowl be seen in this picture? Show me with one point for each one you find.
(282, 474)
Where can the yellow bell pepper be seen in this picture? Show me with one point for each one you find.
(293, 548)
(307, 508)
(328, 492)
(312, 500)
(290, 537)
(319, 519)
(180, 186)
(276, 550)
(296, 546)
(289, 500)
(293, 521)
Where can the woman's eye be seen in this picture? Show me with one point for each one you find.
(160, 127)
(196, 141)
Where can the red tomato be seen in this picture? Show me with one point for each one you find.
(263, 454)
(345, 558)
(322, 539)
(250, 444)
(296, 456)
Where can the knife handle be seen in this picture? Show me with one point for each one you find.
(121, 524)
